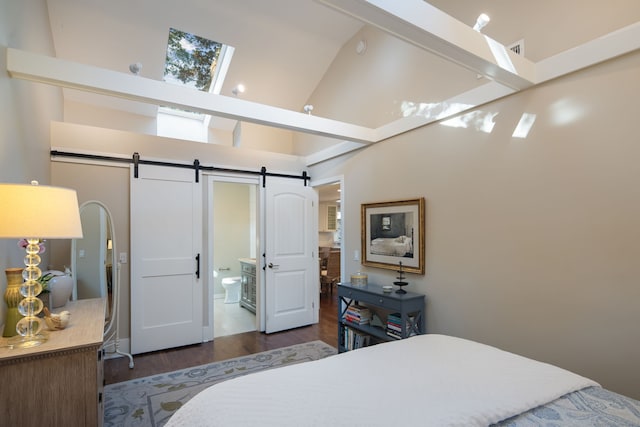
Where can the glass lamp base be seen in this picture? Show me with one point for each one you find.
(27, 342)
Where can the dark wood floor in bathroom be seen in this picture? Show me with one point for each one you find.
(222, 348)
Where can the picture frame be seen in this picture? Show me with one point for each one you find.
(393, 232)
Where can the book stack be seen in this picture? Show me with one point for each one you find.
(394, 326)
(353, 339)
(358, 314)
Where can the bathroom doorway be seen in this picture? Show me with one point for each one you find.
(234, 222)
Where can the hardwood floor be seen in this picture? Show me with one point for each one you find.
(222, 348)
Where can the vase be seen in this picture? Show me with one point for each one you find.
(12, 297)
(60, 288)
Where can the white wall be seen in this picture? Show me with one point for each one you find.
(532, 244)
(232, 229)
(266, 138)
(91, 115)
(25, 112)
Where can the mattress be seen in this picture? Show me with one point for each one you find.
(428, 380)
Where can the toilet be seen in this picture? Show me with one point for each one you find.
(231, 287)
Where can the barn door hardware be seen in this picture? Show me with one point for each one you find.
(136, 160)
(196, 166)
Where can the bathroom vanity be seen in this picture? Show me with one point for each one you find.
(248, 284)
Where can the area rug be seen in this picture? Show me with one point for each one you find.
(150, 401)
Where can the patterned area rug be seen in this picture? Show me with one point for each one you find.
(151, 401)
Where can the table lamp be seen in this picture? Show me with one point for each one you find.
(35, 212)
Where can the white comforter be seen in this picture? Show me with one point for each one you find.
(427, 380)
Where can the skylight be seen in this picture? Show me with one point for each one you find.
(198, 63)
(191, 60)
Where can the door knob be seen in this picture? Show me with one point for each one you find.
(272, 265)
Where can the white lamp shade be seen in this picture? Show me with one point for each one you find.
(39, 211)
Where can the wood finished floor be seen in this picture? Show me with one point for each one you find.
(222, 348)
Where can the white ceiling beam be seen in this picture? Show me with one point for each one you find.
(423, 115)
(332, 152)
(77, 76)
(58, 72)
(614, 44)
(419, 23)
(427, 27)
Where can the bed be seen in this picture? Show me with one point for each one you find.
(391, 246)
(426, 380)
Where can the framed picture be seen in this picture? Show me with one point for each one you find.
(393, 233)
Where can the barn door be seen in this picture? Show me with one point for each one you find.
(166, 241)
(291, 244)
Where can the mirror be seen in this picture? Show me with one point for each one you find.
(93, 256)
(94, 266)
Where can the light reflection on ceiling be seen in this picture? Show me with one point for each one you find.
(478, 120)
(481, 121)
(564, 111)
(524, 125)
(433, 111)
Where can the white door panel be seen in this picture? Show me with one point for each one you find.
(166, 224)
(289, 295)
(167, 266)
(291, 255)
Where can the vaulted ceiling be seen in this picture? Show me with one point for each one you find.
(282, 47)
(286, 49)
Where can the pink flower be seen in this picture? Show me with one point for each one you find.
(23, 244)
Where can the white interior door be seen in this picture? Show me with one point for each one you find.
(166, 241)
(291, 243)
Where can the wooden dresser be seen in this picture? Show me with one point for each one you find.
(60, 382)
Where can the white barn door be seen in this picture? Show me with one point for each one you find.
(166, 243)
(291, 245)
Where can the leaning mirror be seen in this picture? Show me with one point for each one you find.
(92, 257)
(94, 266)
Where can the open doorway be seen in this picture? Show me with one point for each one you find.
(234, 257)
(329, 236)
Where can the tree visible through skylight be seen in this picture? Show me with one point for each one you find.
(198, 63)
(191, 60)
